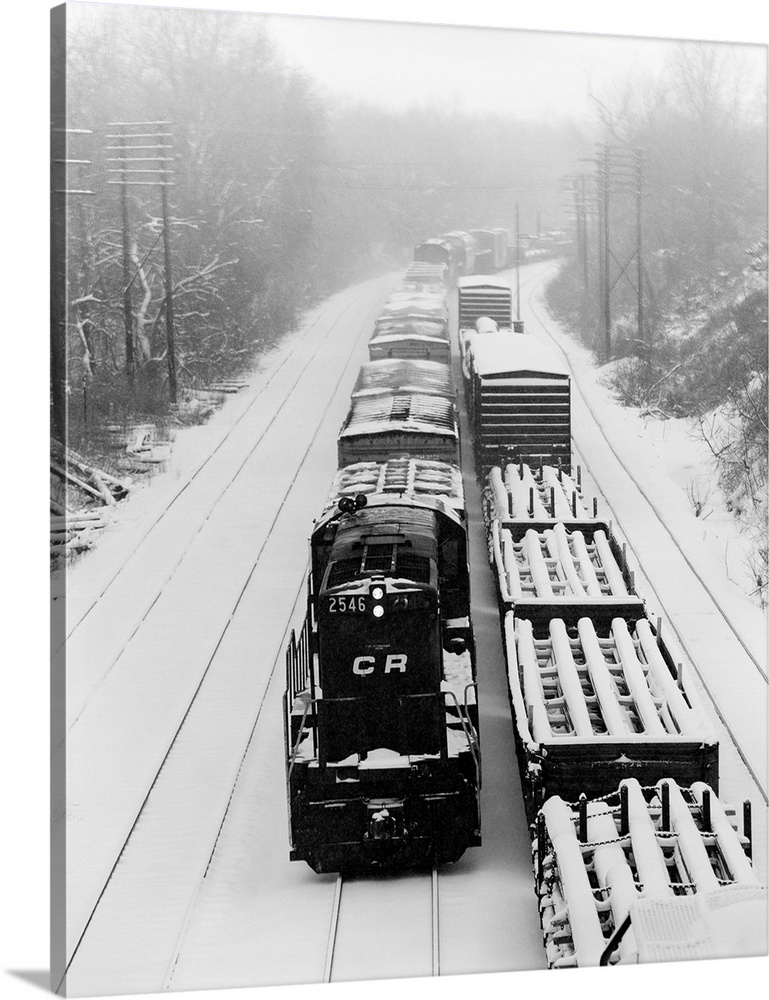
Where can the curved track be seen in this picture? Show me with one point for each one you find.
(710, 603)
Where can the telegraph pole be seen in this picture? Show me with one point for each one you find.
(61, 193)
(605, 174)
(639, 246)
(517, 263)
(130, 152)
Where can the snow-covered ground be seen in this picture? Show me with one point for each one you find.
(177, 841)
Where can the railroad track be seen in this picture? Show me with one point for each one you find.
(156, 521)
(709, 598)
(412, 900)
(191, 712)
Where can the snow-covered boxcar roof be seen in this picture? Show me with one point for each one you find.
(498, 355)
(390, 327)
(403, 413)
(390, 375)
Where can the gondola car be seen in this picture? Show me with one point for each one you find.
(518, 401)
(408, 423)
(381, 719)
(649, 873)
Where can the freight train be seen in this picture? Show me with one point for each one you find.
(380, 709)
(617, 758)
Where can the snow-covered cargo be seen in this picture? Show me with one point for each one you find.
(390, 375)
(480, 295)
(592, 705)
(537, 496)
(518, 399)
(410, 478)
(381, 427)
(643, 874)
(413, 302)
(553, 572)
(425, 275)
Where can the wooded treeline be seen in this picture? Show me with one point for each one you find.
(699, 134)
(278, 198)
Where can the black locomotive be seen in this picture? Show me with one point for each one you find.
(381, 709)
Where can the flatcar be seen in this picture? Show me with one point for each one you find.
(594, 703)
(647, 874)
(408, 423)
(518, 400)
(388, 376)
(381, 718)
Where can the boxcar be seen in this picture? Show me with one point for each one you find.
(414, 424)
(518, 401)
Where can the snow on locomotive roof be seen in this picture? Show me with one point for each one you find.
(389, 375)
(409, 477)
(515, 353)
(405, 412)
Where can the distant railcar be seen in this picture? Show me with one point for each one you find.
(439, 251)
(464, 248)
(491, 249)
(381, 718)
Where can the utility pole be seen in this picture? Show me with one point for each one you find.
(155, 144)
(61, 193)
(517, 263)
(605, 175)
(639, 247)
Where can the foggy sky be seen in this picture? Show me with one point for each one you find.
(529, 74)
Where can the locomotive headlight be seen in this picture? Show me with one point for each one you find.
(378, 611)
(377, 593)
